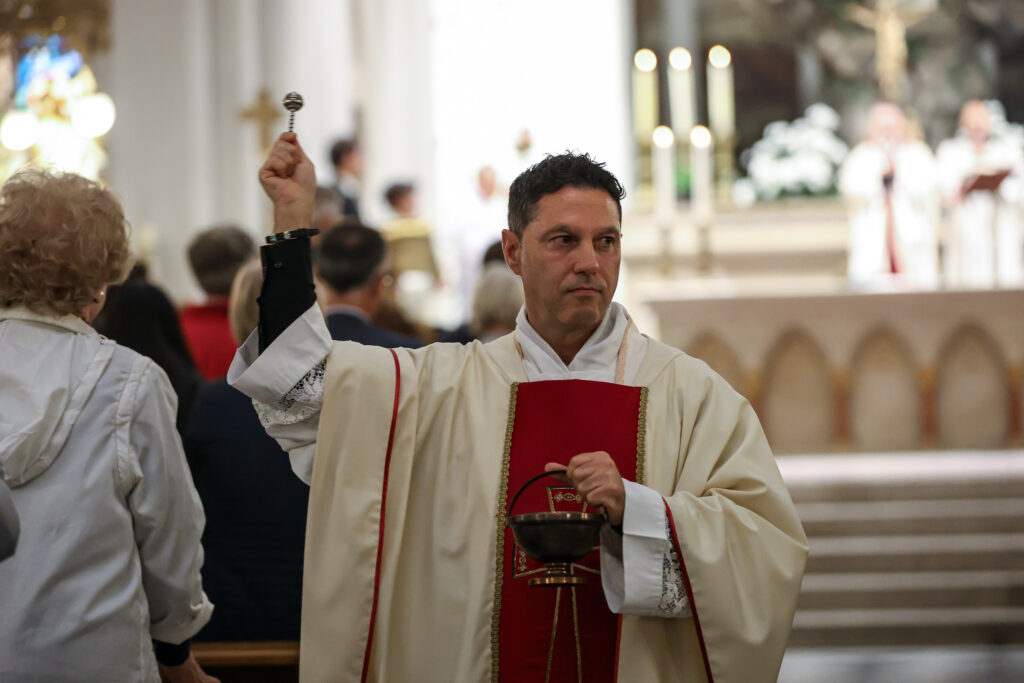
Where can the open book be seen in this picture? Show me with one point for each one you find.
(985, 181)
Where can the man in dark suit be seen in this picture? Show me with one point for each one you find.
(351, 265)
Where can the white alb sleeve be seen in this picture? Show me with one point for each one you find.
(640, 569)
(286, 384)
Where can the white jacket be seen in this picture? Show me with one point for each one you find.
(110, 552)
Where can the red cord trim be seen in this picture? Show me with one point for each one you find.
(383, 509)
(689, 594)
(618, 644)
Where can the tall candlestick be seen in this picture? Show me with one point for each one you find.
(645, 95)
(664, 175)
(721, 98)
(701, 183)
(682, 97)
(664, 191)
(701, 197)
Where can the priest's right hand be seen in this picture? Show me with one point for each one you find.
(289, 179)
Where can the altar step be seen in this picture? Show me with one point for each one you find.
(925, 552)
(908, 627)
(905, 590)
(910, 549)
(908, 517)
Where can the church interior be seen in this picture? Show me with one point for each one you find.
(877, 328)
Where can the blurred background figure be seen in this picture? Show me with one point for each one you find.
(498, 298)
(484, 217)
(10, 528)
(215, 256)
(255, 507)
(467, 332)
(890, 186)
(982, 186)
(109, 553)
(347, 161)
(352, 266)
(139, 315)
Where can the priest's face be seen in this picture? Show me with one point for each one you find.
(568, 258)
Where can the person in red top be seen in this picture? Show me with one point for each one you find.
(215, 256)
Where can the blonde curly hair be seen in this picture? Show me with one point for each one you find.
(62, 238)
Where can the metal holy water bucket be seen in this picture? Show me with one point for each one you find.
(556, 539)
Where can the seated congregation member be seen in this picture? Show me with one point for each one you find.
(465, 333)
(496, 302)
(139, 315)
(215, 256)
(255, 508)
(351, 264)
(415, 455)
(109, 553)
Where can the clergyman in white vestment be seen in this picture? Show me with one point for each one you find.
(984, 246)
(408, 456)
(890, 186)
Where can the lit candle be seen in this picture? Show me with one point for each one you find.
(645, 95)
(664, 175)
(701, 195)
(681, 93)
(721, 99)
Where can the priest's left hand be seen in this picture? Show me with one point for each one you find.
(597, 479)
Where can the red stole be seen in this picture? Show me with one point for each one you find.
(559, 634)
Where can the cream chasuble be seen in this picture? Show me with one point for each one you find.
(404, 515)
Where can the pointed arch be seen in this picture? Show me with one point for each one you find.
(797, 398)
(711, 349)
(973, 394)
(885, 404)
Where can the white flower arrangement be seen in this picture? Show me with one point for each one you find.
(793, 159)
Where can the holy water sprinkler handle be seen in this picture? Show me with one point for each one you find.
(292, 102)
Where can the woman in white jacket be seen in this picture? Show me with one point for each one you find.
(109, 553)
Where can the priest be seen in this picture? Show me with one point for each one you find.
(413, 457)
(890, 185)
(983, 186)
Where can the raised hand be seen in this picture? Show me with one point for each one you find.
(597, 479)
(289, 179)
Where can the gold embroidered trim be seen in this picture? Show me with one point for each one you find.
(499, 542)
(641, 439)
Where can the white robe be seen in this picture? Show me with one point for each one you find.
(984, 246)
(706, 456)
(915, 212)
(109, 553)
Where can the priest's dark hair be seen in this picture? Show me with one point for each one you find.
(549, 176)
(349, 256)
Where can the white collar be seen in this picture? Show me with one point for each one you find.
(596, 360)
(67, 322)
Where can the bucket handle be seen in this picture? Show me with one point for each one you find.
(522, 488)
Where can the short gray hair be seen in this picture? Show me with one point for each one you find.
(497, 298)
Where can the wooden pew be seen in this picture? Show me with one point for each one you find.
(255, 662)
